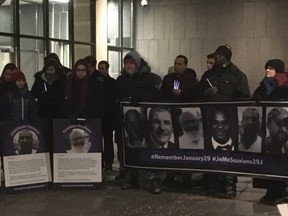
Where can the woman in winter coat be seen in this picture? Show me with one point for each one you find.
(18, 103)
(48, 89)
(5, 79)
(272, 87)
(83, 95)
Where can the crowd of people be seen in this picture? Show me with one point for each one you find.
(87, 92)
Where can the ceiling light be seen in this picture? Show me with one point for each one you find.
(144, 2)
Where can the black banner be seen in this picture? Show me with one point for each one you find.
(231, 137)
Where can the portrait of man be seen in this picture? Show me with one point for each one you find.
(134, 129)
(79, 141)
(221, 129)
(191, 125)
(25, 142)
(277, 126)
(249, 139)
(160, 128)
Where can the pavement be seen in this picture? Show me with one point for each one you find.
(109, 199)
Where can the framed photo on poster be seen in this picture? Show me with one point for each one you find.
(77, 153)
(26, 159)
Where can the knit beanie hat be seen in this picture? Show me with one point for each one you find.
(277, 64)
(224, 50)
(18, 75)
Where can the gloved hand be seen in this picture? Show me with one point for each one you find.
(211, 91)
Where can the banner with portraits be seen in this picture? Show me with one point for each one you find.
(77, 153)
(226, 137)
(26, 159)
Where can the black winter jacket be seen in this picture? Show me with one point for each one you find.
(18, 105)
(50, 97)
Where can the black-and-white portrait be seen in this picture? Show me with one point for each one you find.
(79, 141)
(134, 128)
(277, 130)
(190, 121)
(160, 128)
(25, 141)
(250, 139)
(221, 128)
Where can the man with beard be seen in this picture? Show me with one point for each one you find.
(134, 129)
(249, 140)
(25, 141)
(277, 125)
(79, 142)
(192, 133)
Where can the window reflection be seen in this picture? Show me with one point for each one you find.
(58, 19)
(6, 51)
(32, 55)
(115, 63)
(82, 20)
(127, 23)
(31, 18)
(6, 16)
(81, 51)
(62, 50)
(113, 23)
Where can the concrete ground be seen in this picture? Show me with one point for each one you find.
(111, 200)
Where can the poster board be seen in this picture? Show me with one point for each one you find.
(77, 153)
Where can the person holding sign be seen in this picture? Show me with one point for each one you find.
(18, 104)
(273, 87)
(83, 95)
(225, 83)
(135, 84)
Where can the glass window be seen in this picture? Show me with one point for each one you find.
(31, 18)
(127, 23)
(62, 50)
(114, 59)
(32, 55)
(113, 23)
(6, 51)
(6, 16)
(82, 20)
(81, 51)
(59, 19)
